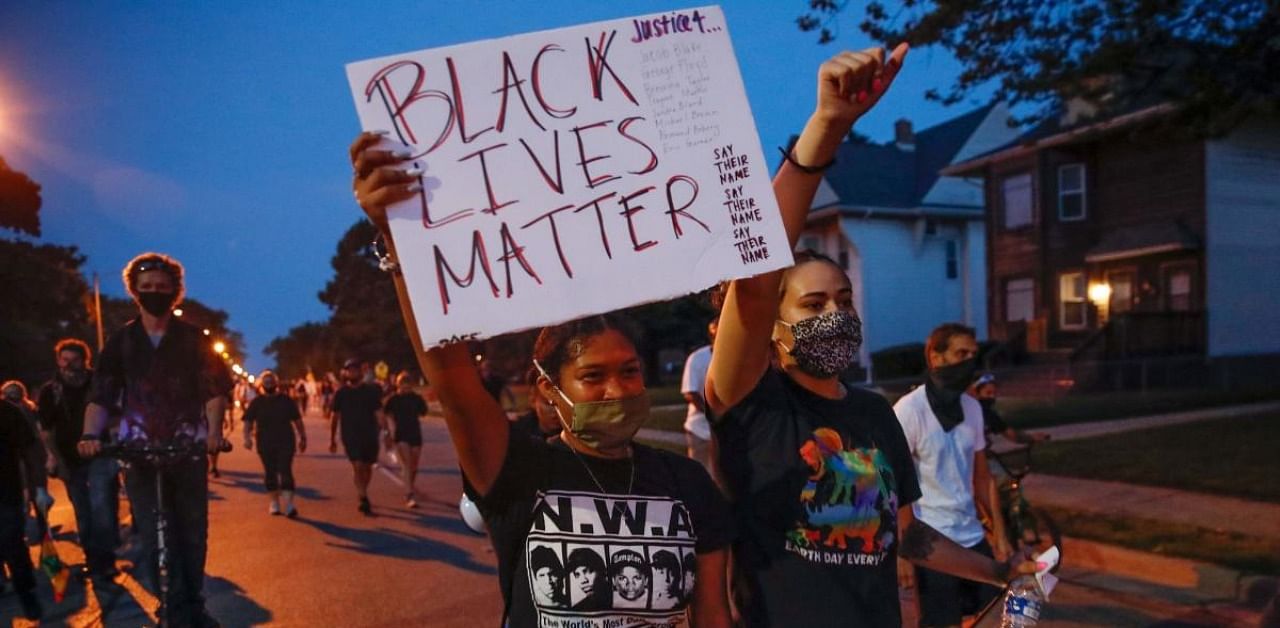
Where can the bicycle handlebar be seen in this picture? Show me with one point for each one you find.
(144, 452)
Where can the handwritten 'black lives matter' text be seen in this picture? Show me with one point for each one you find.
(434, 111)
(742, 207)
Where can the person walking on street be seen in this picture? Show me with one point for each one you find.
(357, 411)
(404, 409)
(274, 421)
(21, 470)
(943, 427)
(92, 484)
(697, 430)
(162, 378)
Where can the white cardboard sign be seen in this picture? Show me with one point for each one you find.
(572, 172)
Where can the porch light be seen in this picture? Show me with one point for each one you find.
(1100, 293)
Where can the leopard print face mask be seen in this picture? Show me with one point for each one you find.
(827, 344)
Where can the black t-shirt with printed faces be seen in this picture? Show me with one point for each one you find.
(576, 548)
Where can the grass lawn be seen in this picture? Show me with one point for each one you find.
(1031, 413)
(1235, 457)
(1234, 550)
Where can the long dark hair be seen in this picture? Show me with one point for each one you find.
(561, 343)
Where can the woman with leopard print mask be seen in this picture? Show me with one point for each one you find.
(819, 471)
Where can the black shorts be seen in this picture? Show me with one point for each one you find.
(409, 433)
(945, 599)
(361, 448)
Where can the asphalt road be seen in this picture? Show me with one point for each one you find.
(336, 567)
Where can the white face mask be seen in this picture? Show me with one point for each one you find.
(602, 425)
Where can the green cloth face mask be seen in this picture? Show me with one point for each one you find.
(604, 426)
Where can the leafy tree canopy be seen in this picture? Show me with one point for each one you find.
(1218, 59)
(19, 201)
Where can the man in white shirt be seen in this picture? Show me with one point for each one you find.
(697, 430)
(943, 426)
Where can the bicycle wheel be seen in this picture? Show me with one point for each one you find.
(1040, 532)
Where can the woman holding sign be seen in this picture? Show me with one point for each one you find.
(821, 472)
(592, 491)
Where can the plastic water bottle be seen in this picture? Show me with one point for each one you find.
(1022, 603)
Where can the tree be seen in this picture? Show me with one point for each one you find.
(1219, 60)
(19, 201)
(308, 346)
(45, 299)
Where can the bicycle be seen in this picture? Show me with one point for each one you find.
(1025, 525)
(160, 458)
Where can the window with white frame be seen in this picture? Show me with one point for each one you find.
(1019, 300)
(953, 259)
(1016, 193)
(1073, 309)
(1071, 192)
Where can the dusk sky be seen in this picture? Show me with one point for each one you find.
(217, 132)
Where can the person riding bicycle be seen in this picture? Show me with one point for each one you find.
(162, 379)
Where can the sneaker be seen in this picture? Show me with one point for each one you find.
(365, 507)
(31, 608)
(410, 501)
(274, 508)
(292, 513)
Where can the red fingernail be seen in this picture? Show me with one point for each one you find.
(1042, 566)
(876, 85)
(862, 97)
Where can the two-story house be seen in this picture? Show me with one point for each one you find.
(912, 241)
(1119, 238)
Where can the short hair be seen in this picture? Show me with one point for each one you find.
(72, 344)
(559, 344)
(940, 338)
(153, 261)
(663, 559)
(543, 556)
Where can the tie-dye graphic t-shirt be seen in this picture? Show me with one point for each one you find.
(816, 486)
(573, 556)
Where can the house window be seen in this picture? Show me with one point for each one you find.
(1017, 201)
(1178, 289)
(1019, 300)
(953, 264)
(1071, 192)
(1073, 311)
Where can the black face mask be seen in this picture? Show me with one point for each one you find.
(270, 390)
(156, 303)
(943, 388)
(988, 403)
(74, 377)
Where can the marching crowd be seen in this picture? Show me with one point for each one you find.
(804, 500)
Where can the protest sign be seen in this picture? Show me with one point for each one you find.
(572, 171)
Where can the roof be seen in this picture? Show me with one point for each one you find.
(1139, 240)
(884, 176)
(1051, 133)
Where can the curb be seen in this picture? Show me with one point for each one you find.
(1146, 574)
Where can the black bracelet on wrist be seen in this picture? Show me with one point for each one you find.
(786, 155)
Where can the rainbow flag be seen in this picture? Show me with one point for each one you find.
(52, 566)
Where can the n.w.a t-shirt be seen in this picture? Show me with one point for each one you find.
(571, 555)
(816, 485)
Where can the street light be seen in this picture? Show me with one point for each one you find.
(177, 312)
(220, 347)
(206, 332)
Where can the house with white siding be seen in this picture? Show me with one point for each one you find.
(912, 241)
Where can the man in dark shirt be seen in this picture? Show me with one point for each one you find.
(92, 483)
(357, 408)
(19, 458)
(162, 379)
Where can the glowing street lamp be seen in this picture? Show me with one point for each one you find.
(220, 347)
(206, 332)
(237, 369)
(177, 312)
